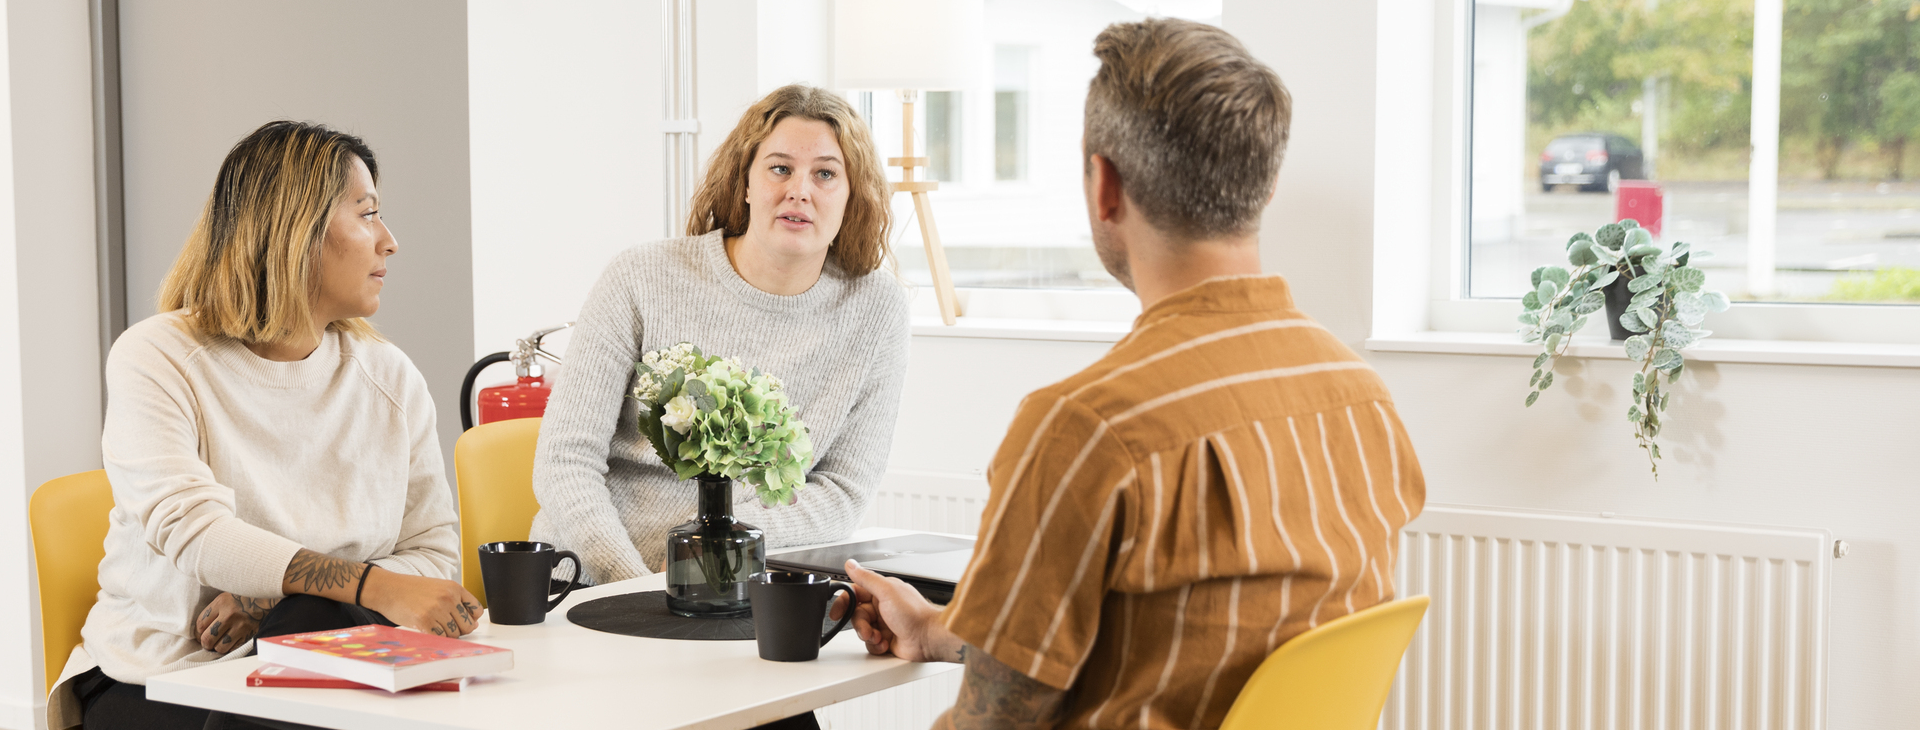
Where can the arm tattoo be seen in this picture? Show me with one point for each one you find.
(314, 573)
(994, 695)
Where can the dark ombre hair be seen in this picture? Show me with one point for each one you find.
(721, 202)
(1194, 124)
(248, 271)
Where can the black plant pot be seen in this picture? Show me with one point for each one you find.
(1618, 296)
(710, 558)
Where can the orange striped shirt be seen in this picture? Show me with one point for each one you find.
(1227, 477)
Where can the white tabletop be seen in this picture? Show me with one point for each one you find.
(566, 675)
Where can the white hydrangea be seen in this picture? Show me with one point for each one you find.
(679, 416)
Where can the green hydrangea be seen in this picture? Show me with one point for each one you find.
(712, 415)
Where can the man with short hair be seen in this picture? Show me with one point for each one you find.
(1229, 476)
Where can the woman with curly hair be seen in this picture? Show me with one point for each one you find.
(781, 267)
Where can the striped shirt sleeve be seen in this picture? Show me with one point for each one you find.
(1032, 595)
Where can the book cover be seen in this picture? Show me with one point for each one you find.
(274, 675)
(385, 657)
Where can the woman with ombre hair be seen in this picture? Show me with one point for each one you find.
(274, 462)
(781, 267)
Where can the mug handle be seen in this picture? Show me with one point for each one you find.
(839, 588)
(557, 557)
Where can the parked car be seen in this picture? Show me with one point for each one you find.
(1595, 161)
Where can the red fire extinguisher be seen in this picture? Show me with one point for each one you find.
(526, 397)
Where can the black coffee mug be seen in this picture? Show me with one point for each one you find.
(516, 576)
(788, 609)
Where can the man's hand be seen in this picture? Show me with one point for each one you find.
(893, 618)
(229, 621)
(434, 605)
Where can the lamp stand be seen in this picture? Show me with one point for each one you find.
(929, 235)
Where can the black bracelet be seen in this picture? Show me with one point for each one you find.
(363, 585)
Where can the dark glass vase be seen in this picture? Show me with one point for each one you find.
(710, 558)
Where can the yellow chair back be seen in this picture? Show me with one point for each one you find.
(69, 521)
(1333, 677)
(493, 464)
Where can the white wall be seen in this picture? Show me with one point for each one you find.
(566, 156)
(198, 75)
(48, 341)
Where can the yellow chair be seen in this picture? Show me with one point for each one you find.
(69, 519)
(1333, 677)
(493, 463)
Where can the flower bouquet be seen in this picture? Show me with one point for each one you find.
(713, 420)
(711, 415)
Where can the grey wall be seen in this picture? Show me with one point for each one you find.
(197, 75)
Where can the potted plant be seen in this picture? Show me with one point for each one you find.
(1654, 300)
(712, 420)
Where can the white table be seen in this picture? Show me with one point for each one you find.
(568, 676)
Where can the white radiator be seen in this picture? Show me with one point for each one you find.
(1549, 622)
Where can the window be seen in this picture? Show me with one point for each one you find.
(943, 134)
(1010, 209)
(1010, 84)
(1779, 147)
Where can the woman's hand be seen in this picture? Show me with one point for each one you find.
(433, 605)
(229, 621)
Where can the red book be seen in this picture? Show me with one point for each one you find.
(274, 675)
(384, 657)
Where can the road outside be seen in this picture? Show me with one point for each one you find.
(1826, 231)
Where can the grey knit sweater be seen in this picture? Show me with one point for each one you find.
(840, 348)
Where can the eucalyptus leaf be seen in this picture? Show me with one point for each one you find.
(1592, 302)
(1536, 379)
(1648, 320)
(1644, 282)
(1557, 275)
(1578, 239)
(1716, 302)
(1530, 301)
(1637, 238)
(1547, 291)
(1529, 318)
(1688, 279)
(1637, 347)
(1605, 279)
(1531, 397)
(1667, 359)
(1562, 319)
(1546, 381)
(1611, 235)
(1629, 223)
(1582, 256)
(1541, 359)
(1630, 319)
(1553, 341)
(1676, 335)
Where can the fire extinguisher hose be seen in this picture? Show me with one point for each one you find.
(466, 387)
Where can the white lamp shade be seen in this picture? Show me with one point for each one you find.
(908, 44)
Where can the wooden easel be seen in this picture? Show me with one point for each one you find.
(929, 235)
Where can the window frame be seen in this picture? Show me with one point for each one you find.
(1421, 242)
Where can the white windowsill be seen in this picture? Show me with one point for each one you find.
(1063, 330)
(1776, 352)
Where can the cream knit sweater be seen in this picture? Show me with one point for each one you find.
(840, 348)
(224, 464)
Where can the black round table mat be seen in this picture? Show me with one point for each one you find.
(645, 615)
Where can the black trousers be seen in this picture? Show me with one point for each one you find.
(109, 704)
